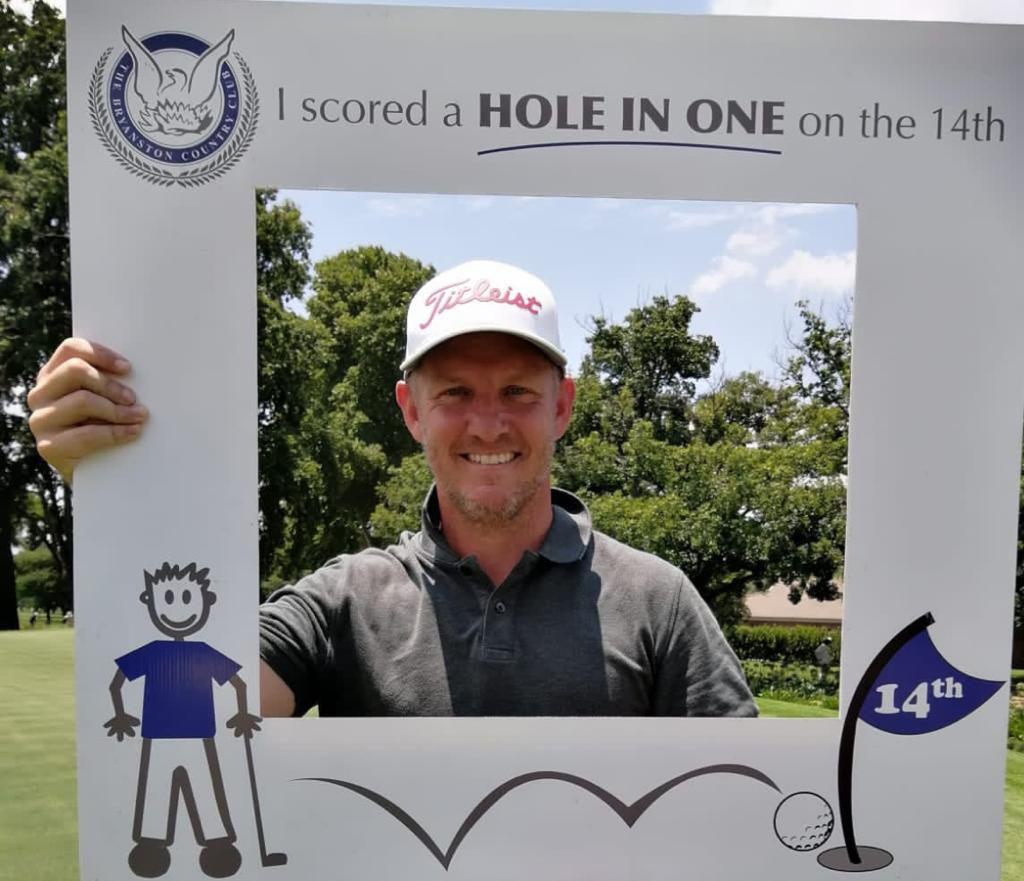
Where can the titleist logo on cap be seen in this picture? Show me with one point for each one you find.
(468, 291)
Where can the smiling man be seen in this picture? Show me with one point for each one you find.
(506, 601)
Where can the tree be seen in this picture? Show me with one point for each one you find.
(361, 299)
(653, 356)
(329, 426)
(401, 497)
(39, 582)
(290, 355)
(738, 409)
(819, 370)
(741, 485)
(34, 278)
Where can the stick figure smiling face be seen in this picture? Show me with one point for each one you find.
(178, 600)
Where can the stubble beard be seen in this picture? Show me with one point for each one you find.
(506, 514)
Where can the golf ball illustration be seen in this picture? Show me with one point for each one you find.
(804, 821)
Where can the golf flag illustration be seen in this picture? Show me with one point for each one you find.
(909, 688)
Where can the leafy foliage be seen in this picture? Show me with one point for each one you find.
(329, 429)
(792, 682)
(655, 359)
(39, 580)
(741, 485)
(34, 279)
(401, 498)
(787, 645)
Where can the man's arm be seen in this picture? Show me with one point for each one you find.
(80, 407)
(276, 698)
(121, 725)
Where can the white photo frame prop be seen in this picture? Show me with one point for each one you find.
(919, 125)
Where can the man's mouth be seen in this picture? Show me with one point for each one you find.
(489, 458)
(178, 624)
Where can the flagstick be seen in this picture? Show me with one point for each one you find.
(830, 858)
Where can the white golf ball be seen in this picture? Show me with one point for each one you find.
(804, 821)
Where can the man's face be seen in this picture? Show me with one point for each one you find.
(178, 608)
(487, 408)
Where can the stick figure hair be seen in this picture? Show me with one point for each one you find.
(168, 572)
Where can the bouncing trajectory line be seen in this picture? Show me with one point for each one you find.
(628, 813)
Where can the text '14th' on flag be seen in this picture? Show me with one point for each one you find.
(919, 691)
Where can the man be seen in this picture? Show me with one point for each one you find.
(506, 602)
(823, 657)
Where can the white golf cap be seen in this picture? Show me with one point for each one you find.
(481, 296)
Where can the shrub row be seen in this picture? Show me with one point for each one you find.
(799, 681)
(789, 645)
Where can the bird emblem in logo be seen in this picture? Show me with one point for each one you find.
(172, 108)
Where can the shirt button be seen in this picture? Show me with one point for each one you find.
(500, 607)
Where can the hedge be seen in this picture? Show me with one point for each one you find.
(800, 681)
(788, 645)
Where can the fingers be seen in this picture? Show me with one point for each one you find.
(79, 407)
(72, 374)
(82, 407)
(65, 449)
(92, 353)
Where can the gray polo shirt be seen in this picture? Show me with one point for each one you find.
(586, 626)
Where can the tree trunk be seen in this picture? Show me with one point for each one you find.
(8, 594)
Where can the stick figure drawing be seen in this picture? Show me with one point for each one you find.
(179, 759)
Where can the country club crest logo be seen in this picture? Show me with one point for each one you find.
(172, 108)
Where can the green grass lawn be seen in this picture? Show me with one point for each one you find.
(37, 761)
(38, 840)
(785, 710)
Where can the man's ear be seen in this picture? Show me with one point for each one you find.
(563, 405)
(144, 597)
(211, 597)
(407, 404)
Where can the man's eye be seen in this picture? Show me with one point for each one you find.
(455, 392)
(515, 390)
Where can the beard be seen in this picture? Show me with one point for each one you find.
(505, 513)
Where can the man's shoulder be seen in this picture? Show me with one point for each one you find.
(368, 569)
(620, 563)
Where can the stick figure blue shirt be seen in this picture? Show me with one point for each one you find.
(178, 700)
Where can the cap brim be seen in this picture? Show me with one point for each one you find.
(554, 354)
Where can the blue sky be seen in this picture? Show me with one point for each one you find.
(744, 263)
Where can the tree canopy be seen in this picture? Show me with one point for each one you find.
(35, 310)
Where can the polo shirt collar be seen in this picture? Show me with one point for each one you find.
(566, 541)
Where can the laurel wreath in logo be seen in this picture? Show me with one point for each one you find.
(107, 132)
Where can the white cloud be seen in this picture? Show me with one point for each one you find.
(825, 273)
(777, 211)
(1006, 11)
(724, 269)
(763, 230)
(683, 220)
(412, 206)
(754, 242)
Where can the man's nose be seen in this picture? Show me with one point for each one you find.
(488, 420)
